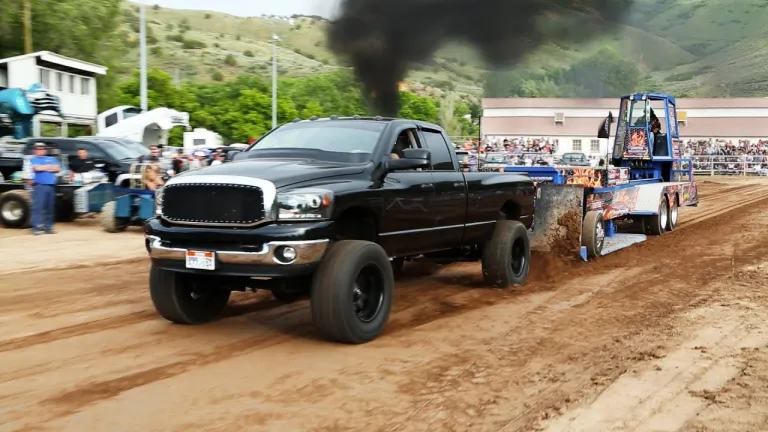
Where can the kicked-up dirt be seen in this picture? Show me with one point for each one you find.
(668, 335)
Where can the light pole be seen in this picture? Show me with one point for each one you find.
(143, 56)
(274, 78)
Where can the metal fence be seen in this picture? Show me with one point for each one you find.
(743, 165)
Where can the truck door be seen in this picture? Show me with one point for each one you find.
(407, 224)
(449, 206)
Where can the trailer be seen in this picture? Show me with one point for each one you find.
(636, 194)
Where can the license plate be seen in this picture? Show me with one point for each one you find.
(201, 260)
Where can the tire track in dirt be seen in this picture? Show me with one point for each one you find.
(456, 299)
(645, 306)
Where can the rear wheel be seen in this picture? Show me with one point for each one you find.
(673, 212)
(185, 299)
(506, 257)
(15, 209)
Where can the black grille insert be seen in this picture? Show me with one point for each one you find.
(213, 203)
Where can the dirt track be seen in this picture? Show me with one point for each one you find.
(669, 335)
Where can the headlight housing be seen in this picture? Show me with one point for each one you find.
(304, 204)
(159, 201)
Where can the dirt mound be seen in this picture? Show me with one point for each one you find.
(563, 255)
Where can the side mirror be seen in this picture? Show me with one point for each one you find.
(412, 159)
(230, 156)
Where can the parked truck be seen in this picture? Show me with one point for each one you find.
(329, 208)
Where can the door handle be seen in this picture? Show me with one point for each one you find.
(427, 186)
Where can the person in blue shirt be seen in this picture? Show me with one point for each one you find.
(44, 168)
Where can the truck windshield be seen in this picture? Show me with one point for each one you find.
(338, 136)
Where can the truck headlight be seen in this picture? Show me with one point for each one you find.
(159, 201)
(305, 204)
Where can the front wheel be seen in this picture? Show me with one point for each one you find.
(109, 221)
(352, 290)
(15, 209)
(507, 256)
(185, 299)
(656, 224)
(593, 233)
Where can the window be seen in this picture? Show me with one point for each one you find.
(594, 146)
(45, 78)
(131, 112)
(441, 156)
(72, 81)
(85, 86)
(198, 141)
(577, 145)
(111, 120)
(59, 81)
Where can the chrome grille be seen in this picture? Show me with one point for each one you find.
(213, 204)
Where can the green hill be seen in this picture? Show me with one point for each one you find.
(693, 47)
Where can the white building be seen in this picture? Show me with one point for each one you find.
(73, 81)
(574, 123)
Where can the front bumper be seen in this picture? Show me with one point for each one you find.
(249, 252)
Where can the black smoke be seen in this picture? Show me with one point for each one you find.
(383, 38)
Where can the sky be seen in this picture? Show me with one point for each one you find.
(252, 7)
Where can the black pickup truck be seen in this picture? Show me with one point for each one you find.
(330, 208)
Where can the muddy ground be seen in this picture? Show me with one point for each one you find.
(669, 335)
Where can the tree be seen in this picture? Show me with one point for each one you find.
(83, 29)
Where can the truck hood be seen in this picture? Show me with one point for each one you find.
(281, 172)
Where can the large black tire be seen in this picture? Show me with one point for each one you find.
(507, 256)
(15, 209)
(109, 222)
(656, 224)
(673, 213)
(185, 299)
(593, 233)
(352, 290)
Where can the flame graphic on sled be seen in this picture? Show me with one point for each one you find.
(584, 176)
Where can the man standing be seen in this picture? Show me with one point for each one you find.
(44, 168)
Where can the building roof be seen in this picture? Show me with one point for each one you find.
(613, 103)
(60, 60)
(734, 127)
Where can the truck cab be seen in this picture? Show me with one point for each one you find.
(148, 128)
(648, 138)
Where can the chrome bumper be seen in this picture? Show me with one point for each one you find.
(307, 252)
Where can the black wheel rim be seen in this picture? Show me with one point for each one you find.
(368, 293)
(518, 256)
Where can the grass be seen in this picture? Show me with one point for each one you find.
(694, 47)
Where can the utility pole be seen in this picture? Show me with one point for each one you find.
(143, 56)
(177, 79)
(28, 26)
(274, 77)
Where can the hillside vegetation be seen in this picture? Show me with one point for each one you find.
(684, 47)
